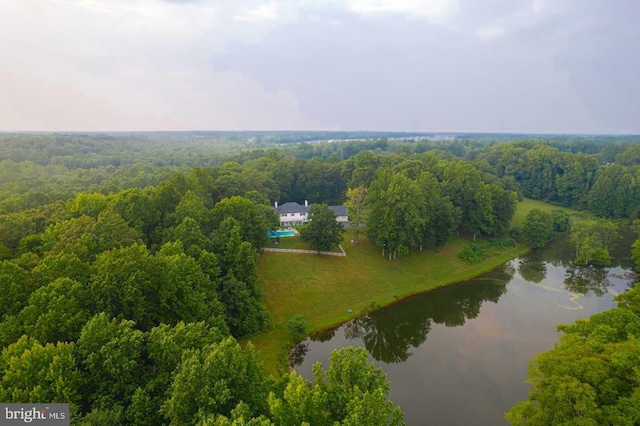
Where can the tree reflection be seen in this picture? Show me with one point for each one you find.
(585, 279)
(324, 336)
(560, 252)
(532, 268)
(297, 354)
(389, 334)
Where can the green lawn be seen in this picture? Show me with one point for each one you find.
(528, 204)
(290, 243)
(294, 243)
(323, 288)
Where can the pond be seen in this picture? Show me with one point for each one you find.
(459, 355)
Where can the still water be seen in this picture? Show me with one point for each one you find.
(459, 355)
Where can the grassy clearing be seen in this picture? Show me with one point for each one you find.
(323, 288)
(528, 204)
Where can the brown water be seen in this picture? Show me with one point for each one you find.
(459, 355)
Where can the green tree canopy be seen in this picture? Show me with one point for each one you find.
(56, 312)
(635, 253)
(350, 392)
(213, 380)
(256, 219)
(356, 202)
(31, 372)
(396, 221)
(15, 288)
(322, 232)
(592, 239)
(109, 352)
(591, 376)
(538, 228)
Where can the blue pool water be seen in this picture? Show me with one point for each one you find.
(282, 233)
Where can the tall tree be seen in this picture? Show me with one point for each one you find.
(111, 231)
(614, 193)
(213, 380)
(592, 239)
(395, 221)
(256, 220)
(441, 218)
(350, 382)
(56, 312)
(138, 209)
(538, 228)
(190, 235)
(356, 202)
(31, 372)
(15, 287)
(109, 353)
(467, 189)
(90, 204)
(192, 206)
(322, 232)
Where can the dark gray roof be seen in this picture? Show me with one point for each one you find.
(339, 210)
(292, 207)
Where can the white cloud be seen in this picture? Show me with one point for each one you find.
(489, 33)
(539, 6)
(260, 13)
(435, 11)
(134, 64)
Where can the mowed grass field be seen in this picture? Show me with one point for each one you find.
(324, 288)
(528, 204)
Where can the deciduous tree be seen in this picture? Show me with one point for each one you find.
(538, 228)
(356, 201)
(322, 232)
(591, 376)
(592, 239)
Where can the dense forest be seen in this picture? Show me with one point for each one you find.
(128, 262)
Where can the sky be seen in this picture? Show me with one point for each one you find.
(522, 66)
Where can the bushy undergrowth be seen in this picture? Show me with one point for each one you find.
(478, 251)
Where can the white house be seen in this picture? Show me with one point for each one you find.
(293, 214)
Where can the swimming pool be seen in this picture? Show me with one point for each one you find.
(289, 233)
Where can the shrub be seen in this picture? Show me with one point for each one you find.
(475, 252)
(297, 327)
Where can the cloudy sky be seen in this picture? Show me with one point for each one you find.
(535, 66)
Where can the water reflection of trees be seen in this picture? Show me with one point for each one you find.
(561, 252)
(297, 354)
(389, 334)
(578, 279)
(532, 268)
(585, 279)
(325, 336)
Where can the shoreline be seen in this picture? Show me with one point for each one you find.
(413, 294)
(271, 344)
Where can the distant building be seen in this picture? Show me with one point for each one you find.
(294, 214)
(341, 213)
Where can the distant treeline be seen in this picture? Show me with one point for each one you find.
(575, 171)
